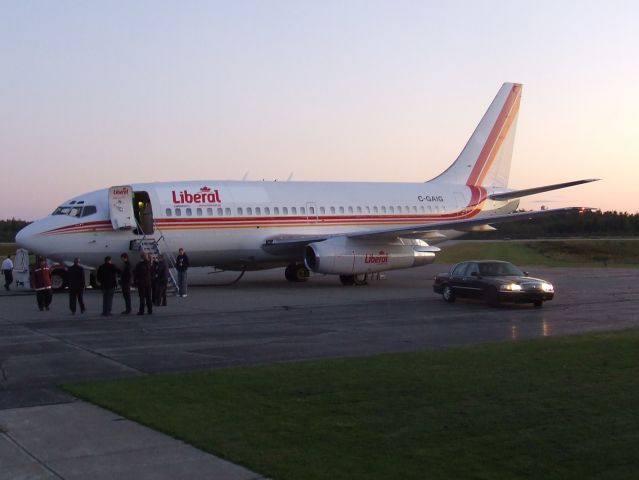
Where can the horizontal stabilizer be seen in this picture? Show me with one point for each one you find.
(532, 191)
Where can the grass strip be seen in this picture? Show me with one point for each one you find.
(557, 408)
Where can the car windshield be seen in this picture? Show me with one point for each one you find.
(497, 269)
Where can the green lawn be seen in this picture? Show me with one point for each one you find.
(552, 253)
(557, 408)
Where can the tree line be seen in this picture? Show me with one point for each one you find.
(572, 224)
(588, 224)
(9, 228)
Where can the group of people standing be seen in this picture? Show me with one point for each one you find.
(150, 276)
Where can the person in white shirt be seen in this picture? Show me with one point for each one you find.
(7, 269)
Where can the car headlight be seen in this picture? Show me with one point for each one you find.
(510, 287)
(547, 287)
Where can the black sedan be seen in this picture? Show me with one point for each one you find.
(494, 281)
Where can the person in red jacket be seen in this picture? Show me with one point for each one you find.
(41, 283)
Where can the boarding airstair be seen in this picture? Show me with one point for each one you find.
(156, 247)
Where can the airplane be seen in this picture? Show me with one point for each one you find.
(349, 229)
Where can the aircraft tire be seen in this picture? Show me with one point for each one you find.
(361, 279)
(347, 279)
(296, 273)
(58, 280)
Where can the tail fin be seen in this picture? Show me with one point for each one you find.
(485, 160)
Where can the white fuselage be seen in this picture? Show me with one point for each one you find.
(226, 223)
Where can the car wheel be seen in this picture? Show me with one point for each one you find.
(492, 298)
(448, 294)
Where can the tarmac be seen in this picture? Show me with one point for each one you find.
(46, 433)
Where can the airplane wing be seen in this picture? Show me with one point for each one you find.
(532, 191)
(291, 243)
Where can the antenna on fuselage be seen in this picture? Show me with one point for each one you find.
(290, 177)
(245, 176)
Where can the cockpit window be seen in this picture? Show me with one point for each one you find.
(75, 211)
(88, 210)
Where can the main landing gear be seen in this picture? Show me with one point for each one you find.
(361, 279)
(296, 272)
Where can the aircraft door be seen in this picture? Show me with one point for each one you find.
(143, 213)
(121, 207)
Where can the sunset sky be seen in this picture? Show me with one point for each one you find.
(94, 94)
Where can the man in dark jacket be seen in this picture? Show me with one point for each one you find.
(182, 265)
(161, 280)
(125, 283)
(142, 279)
(75, 279)
(108, 278)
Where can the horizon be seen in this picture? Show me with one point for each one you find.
(96, 95)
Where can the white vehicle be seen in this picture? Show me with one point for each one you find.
(343, 228)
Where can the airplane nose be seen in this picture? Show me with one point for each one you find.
(25, 237)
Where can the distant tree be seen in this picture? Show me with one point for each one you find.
(9, 228)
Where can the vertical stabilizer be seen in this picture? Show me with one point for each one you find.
(485, 160)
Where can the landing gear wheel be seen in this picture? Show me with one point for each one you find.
(448, 294)
(58, 280)
(347, 279)
(361, 279)
(296, 273)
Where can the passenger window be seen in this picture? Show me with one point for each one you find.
(375, 210)
(227, 211)
(414, 209)
(267, 211)
(178, 212)
(350, 209)
(240, 212)
(430, 209)
(209, 211)
(311, 210)
(368, 209)
(220, 212)
(421, 208)
(198, 212)
(322, 210)
(391, 209)
(276, 210)
(284, 210)
(359, 209)
(333, 210)
(258, 211)
(383, 209)
(249, 211)
(293, 210)
(303, 210)
(188, 212)
(341, 209)
(168, 212)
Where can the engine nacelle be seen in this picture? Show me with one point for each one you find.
(344, 256)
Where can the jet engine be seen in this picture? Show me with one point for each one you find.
(345, 256)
